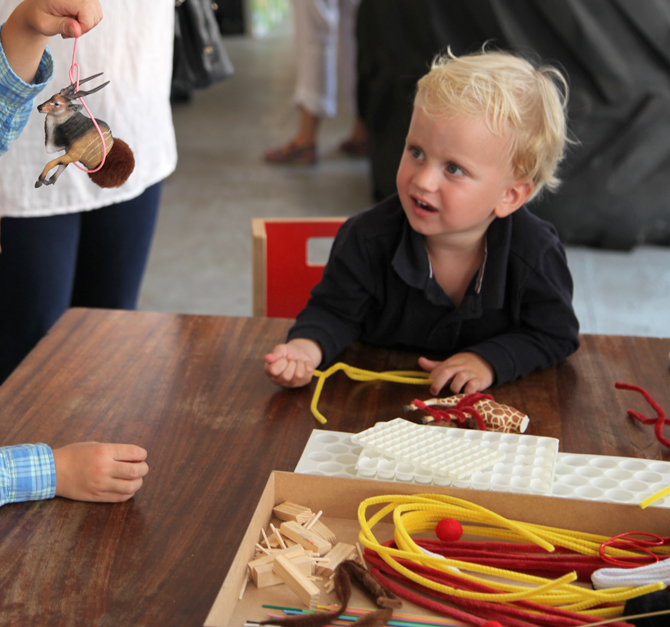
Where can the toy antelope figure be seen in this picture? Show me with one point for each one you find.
(68, 129)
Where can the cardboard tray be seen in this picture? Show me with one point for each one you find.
(339, 499)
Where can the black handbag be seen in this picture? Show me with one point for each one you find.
(200, 59)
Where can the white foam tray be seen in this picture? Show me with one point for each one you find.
(433, 452)
(589, 477)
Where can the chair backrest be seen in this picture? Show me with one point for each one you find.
(282, 273)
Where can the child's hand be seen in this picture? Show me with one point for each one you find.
(68, 18)
(292, 365)
(90, 471)
(27, 30)
(468, 373)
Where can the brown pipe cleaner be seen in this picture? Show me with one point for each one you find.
(342, 583)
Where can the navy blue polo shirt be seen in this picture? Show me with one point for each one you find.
(378, 287)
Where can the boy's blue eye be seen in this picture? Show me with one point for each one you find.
(415, 152)
(452, 168)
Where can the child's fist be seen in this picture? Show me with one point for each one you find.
(467, 372)
(68, 18)
(90, 471)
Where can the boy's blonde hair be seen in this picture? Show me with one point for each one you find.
(522, 102)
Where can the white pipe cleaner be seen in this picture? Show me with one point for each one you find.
(640, 576)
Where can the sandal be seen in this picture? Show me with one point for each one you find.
(292, 154)
(355, 147)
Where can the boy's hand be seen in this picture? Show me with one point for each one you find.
(468, 373)
(68, 18)
(292, 365)
(90, 471)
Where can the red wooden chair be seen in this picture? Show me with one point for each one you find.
(282, 272)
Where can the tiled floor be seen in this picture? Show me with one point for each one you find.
(201, 258)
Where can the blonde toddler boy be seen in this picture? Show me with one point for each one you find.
(454, 265)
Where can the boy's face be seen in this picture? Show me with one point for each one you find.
(455, 177)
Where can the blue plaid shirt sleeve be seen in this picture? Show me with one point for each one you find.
(17, 97)
(27, 473)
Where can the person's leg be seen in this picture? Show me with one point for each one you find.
(316, 33)
(347, 54)
(308, 128)
(356, 145)
(113, 252)
(37, 266)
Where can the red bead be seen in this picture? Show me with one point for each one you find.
(491, 623)
(448, 530)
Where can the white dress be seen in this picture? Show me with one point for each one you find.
(325, 41)
(132, 45)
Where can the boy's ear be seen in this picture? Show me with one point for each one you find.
(514, 197)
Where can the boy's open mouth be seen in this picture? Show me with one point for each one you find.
(424, 206)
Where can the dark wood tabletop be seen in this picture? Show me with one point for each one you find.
(191, 390)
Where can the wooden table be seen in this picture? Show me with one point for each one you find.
(191, 390)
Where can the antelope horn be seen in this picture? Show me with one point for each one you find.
(69, 91)
(81, 92)
(90, 78)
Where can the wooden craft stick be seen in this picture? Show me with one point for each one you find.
(314, 519)
(262, 548)
(265, 537)
(244, 587)
(278, 536)
(360, 555)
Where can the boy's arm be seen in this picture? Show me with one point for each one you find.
(335, 312)
(27, 473)
(87, 471)
(91, 471)
(17, 97)
(549, 329)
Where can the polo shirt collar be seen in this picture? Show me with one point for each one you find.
(412, 264)
(410, 260)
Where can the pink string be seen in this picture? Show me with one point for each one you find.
(73, 67)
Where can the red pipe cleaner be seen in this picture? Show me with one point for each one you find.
(660, 419)
(463, 409)
(513, 617)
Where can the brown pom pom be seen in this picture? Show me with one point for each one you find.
(119, 165)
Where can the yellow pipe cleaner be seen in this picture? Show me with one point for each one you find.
(655, 497)
(420, 513)
(415, 377)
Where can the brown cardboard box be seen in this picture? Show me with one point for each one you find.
(339, 499)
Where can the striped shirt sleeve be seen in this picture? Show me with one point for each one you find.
(17, 97)
(27, 473)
